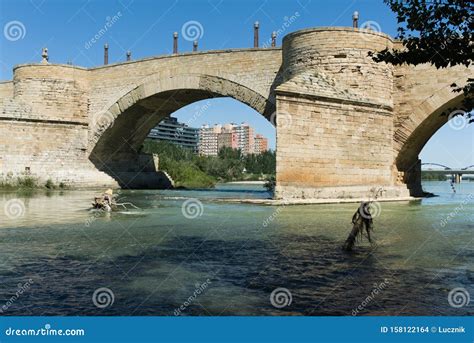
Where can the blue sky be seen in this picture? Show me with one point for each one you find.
(145, 27)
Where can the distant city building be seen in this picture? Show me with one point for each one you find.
(245, 138)
(170, 130)
(208, 140)
(261, 144)
(212, 139)
(227, 137)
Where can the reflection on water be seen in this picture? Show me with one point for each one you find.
(155, 259)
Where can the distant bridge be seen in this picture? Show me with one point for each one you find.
(457, 173)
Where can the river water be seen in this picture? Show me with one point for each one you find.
(188, 257)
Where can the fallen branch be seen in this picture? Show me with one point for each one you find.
(124, 205)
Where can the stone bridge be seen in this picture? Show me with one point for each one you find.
(345, 124)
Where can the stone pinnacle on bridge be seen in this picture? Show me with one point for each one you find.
(44, 55)
(256, 26)
(355, 20)
(175, 42)
(195, 45)
(129, 55)
(274, 36)
(106, 54)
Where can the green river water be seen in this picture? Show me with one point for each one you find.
(204, 257)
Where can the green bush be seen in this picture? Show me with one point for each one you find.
(23, 182)
(191, 170)
(49, 184)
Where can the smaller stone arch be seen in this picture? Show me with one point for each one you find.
(413, 134)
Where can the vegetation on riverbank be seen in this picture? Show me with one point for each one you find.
(193, 171)
(429, 176)
(26, 182)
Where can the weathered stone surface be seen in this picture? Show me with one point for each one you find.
(346, 126)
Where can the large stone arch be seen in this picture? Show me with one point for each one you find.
(118, 131)
(412, 135)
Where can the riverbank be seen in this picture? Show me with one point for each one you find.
(27, 182)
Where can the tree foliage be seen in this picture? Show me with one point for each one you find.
(439, 32)
(191, 170)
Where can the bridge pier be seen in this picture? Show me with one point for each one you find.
(334, 118)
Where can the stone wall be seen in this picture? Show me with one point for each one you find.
(343, 150)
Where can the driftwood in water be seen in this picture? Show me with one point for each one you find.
(124, 205)
(362, 219)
